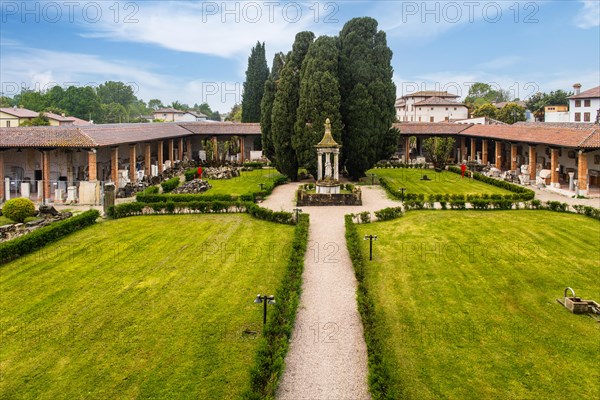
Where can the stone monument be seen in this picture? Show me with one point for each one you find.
(328, 153)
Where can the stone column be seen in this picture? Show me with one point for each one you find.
(513, 156)
(188, 148)
(215, 149)
(406, 149)
(2, 176)
(473, 149)
(114, 165)
(532, 162)
(484, 151)
(553, 167)
(499, 154)
(319, 165)
(463, 149)
(242, 149)
(147, 159)
(336, 171)
(132, 163)
(160, 156)
(46, 175)
(171, 152)
(92, 166)
(582, 173)
(180, 149)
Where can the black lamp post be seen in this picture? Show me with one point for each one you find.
(265, 300)
(370, 238)
(297, 211)
(402, 193)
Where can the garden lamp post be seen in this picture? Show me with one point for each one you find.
(370, 238)
(402, 189)
(297, 211)
(372, 179)
(265, 300)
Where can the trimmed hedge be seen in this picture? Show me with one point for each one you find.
(379, 366)
(388, 213)
(588, 211)
(20, 246)
(199, 207)
(268, 365)
(190, 174)
(170, 184)
(526, 194)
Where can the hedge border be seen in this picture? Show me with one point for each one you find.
(269, 362)
(39, 238)
(145, 197)
(200, 207)
(379, 366)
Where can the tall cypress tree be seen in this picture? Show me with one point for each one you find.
(256, 75)
(286, 104)
(266, 106)
(368, 95)
(319, 99)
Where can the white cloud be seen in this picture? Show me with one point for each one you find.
(499, 62)
(225, 29)
(589, 15)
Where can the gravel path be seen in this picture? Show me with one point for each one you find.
(328, 356)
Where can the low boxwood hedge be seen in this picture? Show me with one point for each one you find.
(20, 246)
(526, 194)
(268, 365)
(170, 184)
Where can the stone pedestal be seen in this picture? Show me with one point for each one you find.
(88, 193)
(25, 189)
(571, 181)
(328, 188)
(7, 189)
(40, 191)
(59, 195)
(71, 194)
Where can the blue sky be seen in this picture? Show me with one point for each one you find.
(197, 51)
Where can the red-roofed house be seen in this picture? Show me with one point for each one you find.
(14, 116)
(585, 106)
(430, 106)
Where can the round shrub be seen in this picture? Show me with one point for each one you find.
(18, 209)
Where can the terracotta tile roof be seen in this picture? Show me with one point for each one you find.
(569, 125)
(438, 101)
(19, 112)
(592, 93)
(592, 141)
(113, 134)
(425, 128)
(79, 121)
(503, 103)
(59, 118)
(168, 110)
(222, 128)
(564, 137)
(44, 136)
(430, 93)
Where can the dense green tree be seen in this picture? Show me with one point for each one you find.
(235, 115)
(486, 110)
(82, 102)
(368, 95)
(286, 104)
(511, 113)
(538, 101)
(319, 99)
(113, 113)
(31, 99)
(155, 104)
(115, 92)
(6, 101)
(482, 93)
(179, 106)
(438, 150)
(254, 86)
(266, 107)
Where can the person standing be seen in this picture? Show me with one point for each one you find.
(463, 169)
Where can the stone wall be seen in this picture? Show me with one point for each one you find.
(341, 199)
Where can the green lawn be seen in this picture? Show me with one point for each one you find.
(467, 303)
(247, 182)
(142, 307)
(441, 182)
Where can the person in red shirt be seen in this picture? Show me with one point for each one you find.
(463, 169)
(200, 173)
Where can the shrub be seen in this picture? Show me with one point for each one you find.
(523, 193)
(170, 184)
(190, 174)
(47, 234)
(18, 209)
(388, 213)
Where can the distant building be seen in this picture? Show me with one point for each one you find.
(558, 113)
(584, 106)
(480, 121)
(174, 115)
(430, 106)
(14, 116)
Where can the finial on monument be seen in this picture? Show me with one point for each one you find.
(327, 125)
(327, 140)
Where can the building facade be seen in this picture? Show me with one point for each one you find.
(585, 106)
(430, 106)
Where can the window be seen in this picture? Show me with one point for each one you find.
(8, 124)
(446, 108)
(454, 108)
(431, 108)
(586, 117)
(419, 108)
(430, 119)
(577, 103)
(577, 117)
(587, 103)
